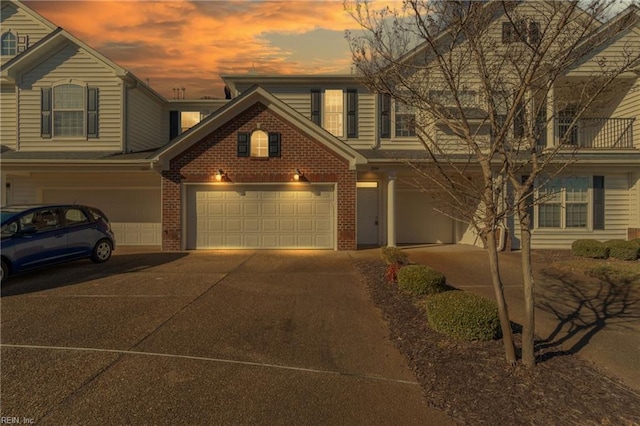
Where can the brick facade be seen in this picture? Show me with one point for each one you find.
(218, 150)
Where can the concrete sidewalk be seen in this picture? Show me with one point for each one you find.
(598, 321)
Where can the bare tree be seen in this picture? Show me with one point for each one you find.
(491, 86)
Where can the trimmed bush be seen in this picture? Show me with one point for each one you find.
(463, 316)
(623, 250)
(393, 255)
(590, 248)
(420, 280)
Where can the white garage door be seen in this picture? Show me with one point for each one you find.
(260, 217)
(134, 213)
(418, 222)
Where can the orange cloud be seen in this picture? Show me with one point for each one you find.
(189, 43)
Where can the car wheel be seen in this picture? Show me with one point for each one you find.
(102, 251)
(4, 273)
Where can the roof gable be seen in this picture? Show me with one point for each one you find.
(241, 104)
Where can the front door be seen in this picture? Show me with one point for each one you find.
(368, 216)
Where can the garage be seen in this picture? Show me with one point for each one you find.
(134, 213)
(417, 220)
(261, 217)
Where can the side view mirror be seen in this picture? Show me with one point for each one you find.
(28, 229)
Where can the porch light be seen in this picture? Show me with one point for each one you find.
(220, 175)
(297, 174)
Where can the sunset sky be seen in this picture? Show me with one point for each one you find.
(190, 43)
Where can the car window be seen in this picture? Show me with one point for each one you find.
(43, 220)
(74, 216)
(97, 214)
(9, 229)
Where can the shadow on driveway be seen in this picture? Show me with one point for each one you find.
(72, 273)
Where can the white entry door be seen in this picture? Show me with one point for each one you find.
(258, 217)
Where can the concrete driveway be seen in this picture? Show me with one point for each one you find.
(265, 337)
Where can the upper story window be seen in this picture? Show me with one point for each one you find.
(9, 44)
(334, 112)
(259, 144)
(69, 111)
(405, 120)
(181, 121)
(328, 109)
(522, 30)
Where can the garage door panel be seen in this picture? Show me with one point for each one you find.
(261, 218)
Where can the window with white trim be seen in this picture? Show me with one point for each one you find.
(405, 120)
(259, 144)
(564, 203)
(68, 110)
(333, 118)
(9, 44)
(188, 119)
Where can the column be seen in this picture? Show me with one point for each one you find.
(391, 210)
(551, 122)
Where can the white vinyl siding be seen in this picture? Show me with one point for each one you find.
(21, 23)
(8, 116)
(629, 107)
(144, 121)
(71, 63)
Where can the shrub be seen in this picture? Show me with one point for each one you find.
(391, 274)
(623, 250)
(421, 280)
(463, 316)
(393, 255)
(590, 248)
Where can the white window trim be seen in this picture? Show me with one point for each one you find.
(15, 47)
(84, 86)
(342, 114)
(563, 212)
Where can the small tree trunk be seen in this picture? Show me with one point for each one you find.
(503, 312)
(528, 329)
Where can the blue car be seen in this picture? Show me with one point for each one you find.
(42, 235)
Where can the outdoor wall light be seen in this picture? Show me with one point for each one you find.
(220, 175)
(297, 174)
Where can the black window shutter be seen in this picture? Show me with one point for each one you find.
(45, 112)
(274, 144)
(352, 113)
(92, 112)
(385, 116)
(174, 124)
(507, 32)
(529, 201)
(243, 144)
(519, 120)
(598, 202)
(534, 32)
(315, 107)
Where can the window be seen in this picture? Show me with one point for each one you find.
(9, 44)
(188, 119)
(333, 112)
(564, 203)
(69, 110)
(43, 220)
(521, 30)
(567, 130)
(405, 120)
(259, 144)
(74, 216)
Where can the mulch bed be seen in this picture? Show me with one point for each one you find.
(472, 382)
